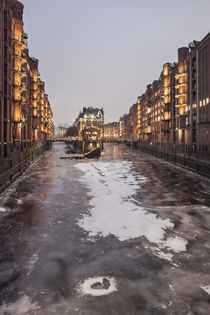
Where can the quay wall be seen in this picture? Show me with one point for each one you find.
(14, 166)
(192, 161)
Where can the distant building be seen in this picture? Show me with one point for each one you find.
(198, 68)
(62, 131)
(90, 124)
(72, 132)
(111, 131)
(124, 128)
(133, 116)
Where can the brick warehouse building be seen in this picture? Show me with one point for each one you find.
(25, 112)
(174, 111)
(203, 93)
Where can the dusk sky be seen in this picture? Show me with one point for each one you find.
(103, 53)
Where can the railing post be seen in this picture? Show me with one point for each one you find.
(197, 164)
(19, 165)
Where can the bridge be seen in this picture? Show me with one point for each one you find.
(62, 139)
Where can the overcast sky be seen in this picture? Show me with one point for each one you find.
(104, 52)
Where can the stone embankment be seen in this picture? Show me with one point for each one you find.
(192, 161)
(10, 170)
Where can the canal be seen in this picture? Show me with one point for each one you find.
(124, 234)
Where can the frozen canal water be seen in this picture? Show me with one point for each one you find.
(125, 234)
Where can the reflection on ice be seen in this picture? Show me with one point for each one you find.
(114, 210)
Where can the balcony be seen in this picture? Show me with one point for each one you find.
(180, 105)
(17, 70)
(24, 69)
(178, 85)
(23, 88)
(178, 75)
(16, 99)
(17, 40)
(23, 83)
(167, 84)
(23, 60)
(180, 94)
(17, 56)
(35, 86)
(24, 44)
(181, 113)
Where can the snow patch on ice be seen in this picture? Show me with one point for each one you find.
(177, 244)
(161, 254)
(19, 202)
(20, 307)
(2, 209)
(112, 186)
(86, 288)
(206, 289)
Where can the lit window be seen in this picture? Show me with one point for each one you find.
(200, 103)
(207, 100)
(204, 102)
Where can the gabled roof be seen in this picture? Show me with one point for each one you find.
(90, 112)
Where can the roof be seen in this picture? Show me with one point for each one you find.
(90, 112)
(112, 124)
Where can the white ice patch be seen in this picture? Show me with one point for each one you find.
(206, 289)
(159, 253)
(19, 202)
(86, 288)
(115, 211)
(2, 209)
(20, 307)
(176, 244)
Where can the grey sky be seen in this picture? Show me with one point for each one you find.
(104, 52)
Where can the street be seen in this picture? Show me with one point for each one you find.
(124, 234)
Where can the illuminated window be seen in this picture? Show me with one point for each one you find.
(204, 102)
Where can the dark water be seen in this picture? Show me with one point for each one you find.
(137, 222)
